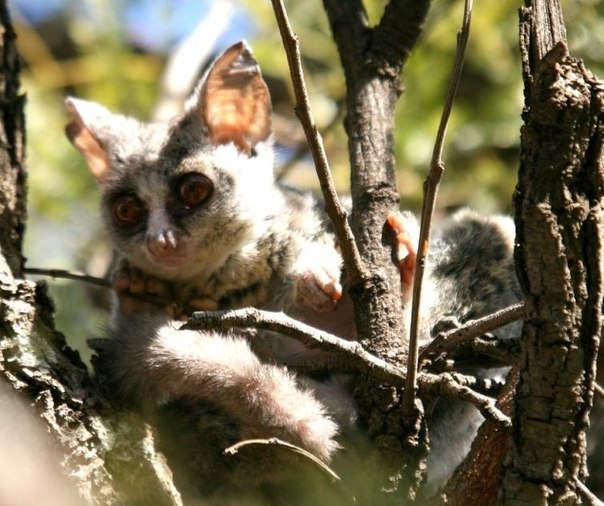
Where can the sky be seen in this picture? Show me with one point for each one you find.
(155, 26)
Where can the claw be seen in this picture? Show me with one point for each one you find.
(317, 284)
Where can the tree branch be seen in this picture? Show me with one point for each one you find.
(339, 217)
(372, 92)
(430, 191)
(448, 385)
(560, 246)
(547, 28)
(392, 40)
(358, 357)
(66, 274)
(588, 495)
(12, 149)
(452, 339)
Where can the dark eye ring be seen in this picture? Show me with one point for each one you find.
(128, 210)
(194, 189)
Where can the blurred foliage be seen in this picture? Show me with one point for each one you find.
(85, 49)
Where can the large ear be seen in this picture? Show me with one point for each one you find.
(80, 132)
(233, 100)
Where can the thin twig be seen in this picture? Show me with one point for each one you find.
(65, 274)
(303, 147)
(486, 351)
(430, 190)
(587, 494)
(352, 259)
(359, 358)
(232, 450)
(453, 338)
(93, 280)
(335, 480)
(598, 388)
(430, 387)
(447, 385)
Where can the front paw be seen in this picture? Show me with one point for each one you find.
(317, 284)
(138, 292)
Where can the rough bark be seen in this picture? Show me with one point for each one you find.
(12, 140)
(559, 216)
(106, 457)
(373, 59)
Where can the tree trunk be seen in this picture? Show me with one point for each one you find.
(373, 59)
(560, 235)
(12, 170)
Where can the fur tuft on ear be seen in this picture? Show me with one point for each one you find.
(83, 138)
(233, 102)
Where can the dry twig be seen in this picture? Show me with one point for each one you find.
(588, 495)
(451, 339)
(232, 450)
(447, 385)
(352, 259)
(65, 274)
(93, 280)
(323, 468)
(430, 191)
(357, 356)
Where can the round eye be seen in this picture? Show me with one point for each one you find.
(128, 211)
(194, 189)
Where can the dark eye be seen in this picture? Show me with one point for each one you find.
(194, 189)
(128, 211)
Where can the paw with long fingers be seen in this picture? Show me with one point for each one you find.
(317, 284)
(406, 228)
(199, 303)
(137, 292)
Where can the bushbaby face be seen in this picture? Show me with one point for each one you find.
(184, 193)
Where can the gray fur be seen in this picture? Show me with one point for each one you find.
(472, 268)
(255, 242)
(248, 244)
(470, 274)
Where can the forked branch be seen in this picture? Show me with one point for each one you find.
(453, 338)
(356, 355)
(357, 358)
